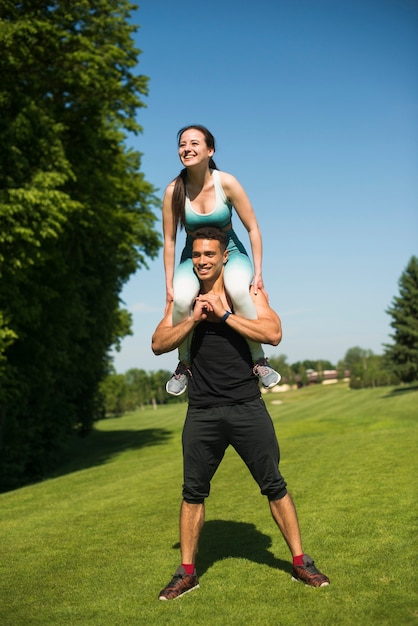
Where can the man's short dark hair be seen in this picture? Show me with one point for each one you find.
(211, 232)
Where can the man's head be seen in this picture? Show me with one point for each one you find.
(209, 253)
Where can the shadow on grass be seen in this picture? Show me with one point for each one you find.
(222, 539)
(403, 389)
(99, 446)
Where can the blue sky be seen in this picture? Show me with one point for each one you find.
(314, 106)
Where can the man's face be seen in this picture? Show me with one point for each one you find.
(208, 259)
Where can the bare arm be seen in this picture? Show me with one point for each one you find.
(237, 195)
(267, 328)
(168, 337)
(170, 233)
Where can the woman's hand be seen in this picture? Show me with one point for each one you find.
(169, 298)
(258, 284)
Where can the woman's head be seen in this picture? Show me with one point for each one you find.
(209, 138)
(190, 156)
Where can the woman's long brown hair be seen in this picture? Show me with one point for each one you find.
(179, 192)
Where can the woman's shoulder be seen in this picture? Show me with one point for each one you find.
(170, 188)
(228, 181)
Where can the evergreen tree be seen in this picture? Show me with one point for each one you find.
(76, 217)
(402, 355)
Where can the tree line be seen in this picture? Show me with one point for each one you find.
(137, 388)
(398, 364)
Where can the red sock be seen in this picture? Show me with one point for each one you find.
(298, 560)
(189, 569)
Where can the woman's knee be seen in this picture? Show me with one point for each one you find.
(185, 293)
(182, 305)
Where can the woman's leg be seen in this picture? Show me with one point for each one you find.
(238, 275)
(186, 289)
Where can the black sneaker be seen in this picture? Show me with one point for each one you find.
(308, 574)
(178, 382)
(180, 584)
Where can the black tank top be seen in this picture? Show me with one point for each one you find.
(222, 368)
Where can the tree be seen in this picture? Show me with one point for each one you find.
(114, 391)
(134, 389)
(354, 357)
(310, 364)
(402, 355)
(341, 370)
(370, 371)
(76, 217)
(280, 364)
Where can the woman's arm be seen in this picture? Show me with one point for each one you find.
(238, 197)
(169, 250)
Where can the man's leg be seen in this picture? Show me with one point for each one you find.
(185, 579)
(192, 518)
(285, 516)
(304, 570)
(254, 438)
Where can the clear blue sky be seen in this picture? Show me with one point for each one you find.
(314, 106)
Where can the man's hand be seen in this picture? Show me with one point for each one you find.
(167, 336)
(201, 309)
(211, 303)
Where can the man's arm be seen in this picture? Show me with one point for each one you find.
(267, 328)
(168, 337)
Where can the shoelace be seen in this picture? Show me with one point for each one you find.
(260, 370)
(182, 370)
(310, 567)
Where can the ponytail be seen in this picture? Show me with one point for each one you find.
(178, 200)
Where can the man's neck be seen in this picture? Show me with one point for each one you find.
(217, 286)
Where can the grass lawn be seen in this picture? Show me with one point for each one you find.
(94, 544)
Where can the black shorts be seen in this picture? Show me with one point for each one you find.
(249, 429)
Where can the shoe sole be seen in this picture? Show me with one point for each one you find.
(298, 580)
(273, 384)
(180, 595)
(172, 393)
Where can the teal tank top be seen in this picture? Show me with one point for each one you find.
(221, 214)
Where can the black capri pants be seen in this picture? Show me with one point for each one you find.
(246, 426)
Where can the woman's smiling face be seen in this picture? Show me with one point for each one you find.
(193, 149)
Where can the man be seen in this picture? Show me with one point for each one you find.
(225, 408)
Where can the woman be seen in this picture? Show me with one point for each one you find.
(204, 196)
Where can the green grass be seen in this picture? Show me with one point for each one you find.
(94, 544)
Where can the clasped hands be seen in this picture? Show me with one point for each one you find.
(206, 304)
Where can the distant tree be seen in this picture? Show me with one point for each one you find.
(76, 217)
(302, 376)
(280, 364)
(310, 364)
(114, 390)
(138, 389)
(319, 368)
(135, 389)
(402, 355)
(296, 366)
(367, 369)
(341, 370)
(354, 356)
